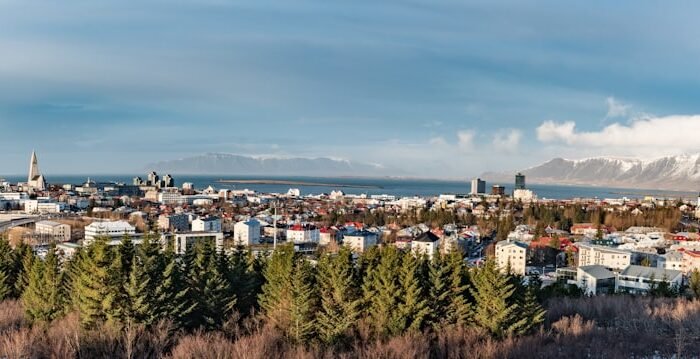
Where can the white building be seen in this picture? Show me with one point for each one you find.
(611, 258)
(207, 224)
(478, 186)
(360, 241)
(184, 240)
(303, 234)
(41, 206)
(427, 244)
(54, 230)
(638, 279)
(108, 229)
(511, 254)
(246, 233)
(171, 198)
(524, 195)
(67, 249)
(672, 260)
(595, 279)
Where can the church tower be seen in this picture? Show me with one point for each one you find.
(35, 180)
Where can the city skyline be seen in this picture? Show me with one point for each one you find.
(450, 89)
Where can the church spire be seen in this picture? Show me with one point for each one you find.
(33, 168)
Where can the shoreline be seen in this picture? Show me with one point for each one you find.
(295, 183)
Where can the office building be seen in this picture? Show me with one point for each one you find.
(498, 190)
(478, 186)
(519, 181)
(53, 230)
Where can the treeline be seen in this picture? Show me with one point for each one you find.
(384, 293)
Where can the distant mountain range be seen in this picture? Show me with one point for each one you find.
(231, 164)
(668, 173)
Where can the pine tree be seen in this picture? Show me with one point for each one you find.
(694, 283)
(210, 292)
(439, 291)
(340, 302)
(495, 310)
(276, 297)
(96, 293)
(43, 297)
(413, 309)
(24, 257)
(459, 308)
(532, 314)
(7, 270)
(383, 294)
(171, 295)
(303, 306)
(136, 306)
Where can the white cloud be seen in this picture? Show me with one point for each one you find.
(648, 136)
(465, 140)
(438, 141)
(616, 108)
(507, 141)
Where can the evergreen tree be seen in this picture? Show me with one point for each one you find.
(694, 283)
(96, 293)
(137, 301)
(210, 292)
(43, 297)
(495, 310)
(171, 295)
(459, 308)
(7, 270)
(413, 310)
(383, 293)
(24, 257)
(276, 297)
(439, 292)
(340, 303)
(532, 314)
(304, 299)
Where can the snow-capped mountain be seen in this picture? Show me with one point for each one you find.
(224, 163)
(680, 172)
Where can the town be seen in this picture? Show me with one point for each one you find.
(596, 246)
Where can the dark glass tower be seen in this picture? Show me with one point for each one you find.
(520, 181)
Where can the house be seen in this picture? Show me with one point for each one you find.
(639, 280)
(585, 229)
(174, 222)
(595, 279)
(426, 244)
(513, 255)
(672, 260)
(207, 224)
(611, 258)
(246, 233)
(360, 241)
(303, 234)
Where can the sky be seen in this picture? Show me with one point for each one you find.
(431, 88)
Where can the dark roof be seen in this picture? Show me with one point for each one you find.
(427, 237)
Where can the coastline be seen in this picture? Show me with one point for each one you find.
(294, 183)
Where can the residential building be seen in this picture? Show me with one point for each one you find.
(246, 233)
(672, 260)
(326, 236)
(206, 224)
(360, 241)
(524, 195)
(498, 190)
(513, 255)
(303, 234)
(611, 258)
(174, 222)
(427, 244)
(108, 229)
(639, 279)
(53, 230)
(595, 279)
(67, 249)
(183, 240)
(42, 206)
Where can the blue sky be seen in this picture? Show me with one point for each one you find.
(435, 88)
